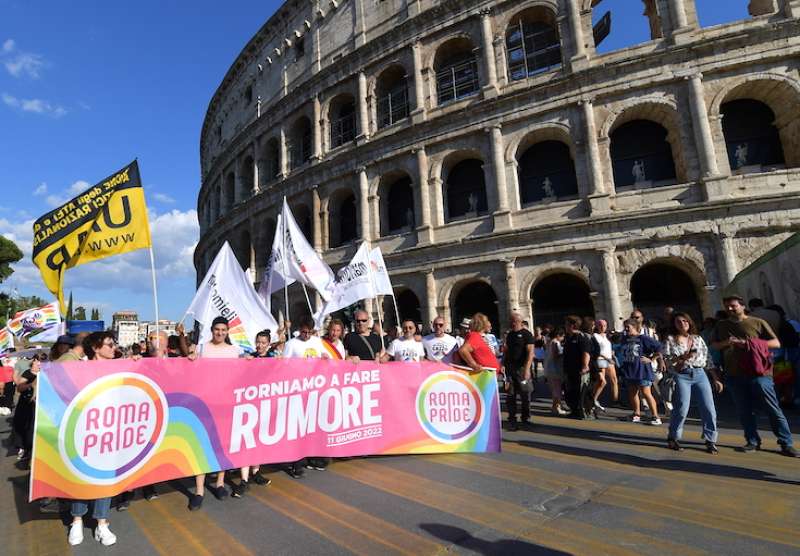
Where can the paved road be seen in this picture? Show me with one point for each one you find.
(567, 487)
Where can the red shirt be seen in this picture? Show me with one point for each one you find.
(481, 352)
(6, 374)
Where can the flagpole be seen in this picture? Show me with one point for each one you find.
(396, 310)
(308, 299)
(372, 285)
(283, 261)
(155, 296)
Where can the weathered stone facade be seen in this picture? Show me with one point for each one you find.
(273, 128)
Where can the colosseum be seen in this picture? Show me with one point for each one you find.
(501, 161)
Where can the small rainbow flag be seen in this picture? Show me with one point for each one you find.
(6, 341)
(238, 335)
(30, 321)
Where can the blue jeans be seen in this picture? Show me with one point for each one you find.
(693, 382)
(748, 394)
(102, 506)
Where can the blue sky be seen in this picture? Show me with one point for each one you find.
(87, 86)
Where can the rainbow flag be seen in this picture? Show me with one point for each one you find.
(35, 320)
(331, 349)
(6, 341)
(238, 335)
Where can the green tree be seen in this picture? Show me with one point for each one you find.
(79, 313)
(95, 314)
(70, 315)
(9, 253)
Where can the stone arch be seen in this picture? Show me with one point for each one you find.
(298, 142)
(408, 304)
(343, 221)
(655, 20)
(342, 119)
(558, 292)
(247, 178)
(502, 20)
(667, 281)
(229, 191)
(548, 131)
(455, 67)
(532, 42)
(390, 91)
(456, 170)
(660, 110)
(471, 295)
(305, 220)
(780, 93)
(393, 217)
(270, 160)
(545, 163)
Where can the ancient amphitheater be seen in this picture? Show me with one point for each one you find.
(500, 161)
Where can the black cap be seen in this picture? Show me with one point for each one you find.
(733, 296)
(66, 339)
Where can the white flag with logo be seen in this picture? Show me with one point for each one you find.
(353, 283)
(274, 279)
(380, 276)
(227, 292)
(303, 263)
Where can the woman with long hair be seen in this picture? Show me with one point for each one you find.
(554, 369)
(687, 359)
(98, 346)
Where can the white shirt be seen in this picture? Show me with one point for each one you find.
(311, 348)
(440, 349)
(605, 345)
(406, 350)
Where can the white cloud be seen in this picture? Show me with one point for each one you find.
(163, 198)
(79, 187)
(40, 190)
(20, 63)
(34, 105)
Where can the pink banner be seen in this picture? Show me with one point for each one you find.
(106, 427)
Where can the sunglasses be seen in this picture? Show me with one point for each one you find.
(438, 324)
(361, 320)
(110, 343)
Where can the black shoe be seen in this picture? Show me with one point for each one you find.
(237, 491)
(673, 444)
(750, 447)
(295, 471)
(195, 502)
(220, 493)
(526, 424)
(260, 479)
(149, 493)
(512, 426)
(50, 506)
(711, 448)
(317, 464)
(789, 452)
(125, 501)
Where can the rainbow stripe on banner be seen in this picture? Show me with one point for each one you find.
(104, 427)
(6, 341)
(35, 320)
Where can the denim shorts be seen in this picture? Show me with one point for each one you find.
(643, 383)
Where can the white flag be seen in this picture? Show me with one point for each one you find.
(380, 276)
(353, 283)
(226, 292)
(49, 335)
(274, 278)
(304, 264)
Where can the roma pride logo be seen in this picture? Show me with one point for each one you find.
(449, 407)
(112, 427)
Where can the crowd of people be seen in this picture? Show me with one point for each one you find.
(662, 365)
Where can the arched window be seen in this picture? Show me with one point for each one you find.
(456, 70)
(342, 120)
(559, 295)
(230, 191)
(546, 173)
(248, 178)
(344, 220)
(659, 284)
(303, 218)
(751, 138)
(532, 43)
(477, 297)
(400, 205)
(466, 190)
(392, 93)
(272, 158)
(299, 143)
(641, 155)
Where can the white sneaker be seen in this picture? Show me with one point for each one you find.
(104, 535)
(558, 411)
(5, 411)
(76, 533)
(655, 422)
(635, 419)
(21, 454)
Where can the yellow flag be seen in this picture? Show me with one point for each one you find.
(109, 218)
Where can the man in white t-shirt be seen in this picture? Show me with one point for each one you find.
(439, 345)
(306, 345)
(405, 348)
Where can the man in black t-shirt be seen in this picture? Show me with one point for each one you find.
(577, 355)
(363, 344)
(517, 368)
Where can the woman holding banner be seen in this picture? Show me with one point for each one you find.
(219, 347)
(97, 345)
(475, 352)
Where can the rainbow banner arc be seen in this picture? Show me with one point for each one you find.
(105, 427)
